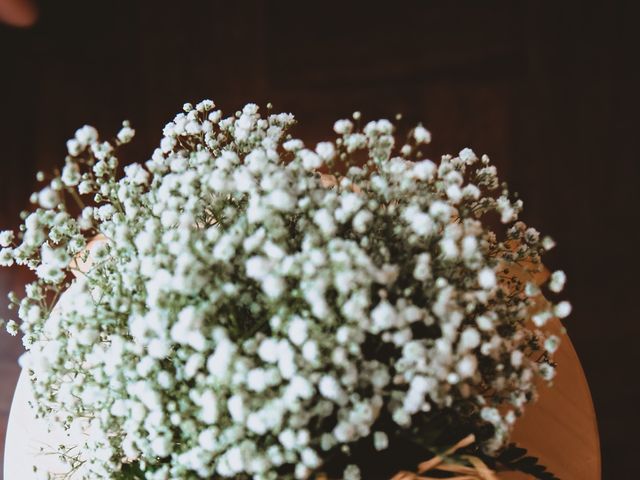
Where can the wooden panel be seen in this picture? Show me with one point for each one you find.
(351, 43)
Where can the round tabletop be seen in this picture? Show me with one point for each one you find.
(560, 428)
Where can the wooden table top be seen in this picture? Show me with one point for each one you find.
(561, 428)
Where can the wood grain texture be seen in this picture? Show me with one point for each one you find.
(561, 428)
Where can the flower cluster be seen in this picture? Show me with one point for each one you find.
(246, 316)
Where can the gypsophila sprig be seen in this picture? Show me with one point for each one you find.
(245, 316)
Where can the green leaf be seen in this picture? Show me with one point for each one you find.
(515, 458)
(131, 471)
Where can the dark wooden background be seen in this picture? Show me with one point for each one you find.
(548, 89)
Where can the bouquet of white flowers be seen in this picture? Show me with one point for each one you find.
(246, 316)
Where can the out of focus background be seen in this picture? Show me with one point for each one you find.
(547, 89)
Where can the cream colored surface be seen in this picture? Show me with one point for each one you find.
(29, 441)
(26, 436)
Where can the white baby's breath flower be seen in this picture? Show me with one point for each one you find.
(467, 366)
(469, 339)
(342, 127)
(71, 174)
(273, 286)
(326, 151)
(362, 220)
(86, 135)
(12, 327)
(257, 267)
(6, 238)
(487, 278)
(449, 248)
(551, 344)
(548, 243)
(281, 200)
(298, 331)
(310, 160)
(421, 135)
(48, 198)
(325, 222)
(563, 309)
(293, 145)
(352, 472)
(468, 156)
(126, 133)
(541, 318)
(7, 257)
(558, 279)
(380, 440)
(268, 350)
(240, 317)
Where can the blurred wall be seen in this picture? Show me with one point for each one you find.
(547, 89)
